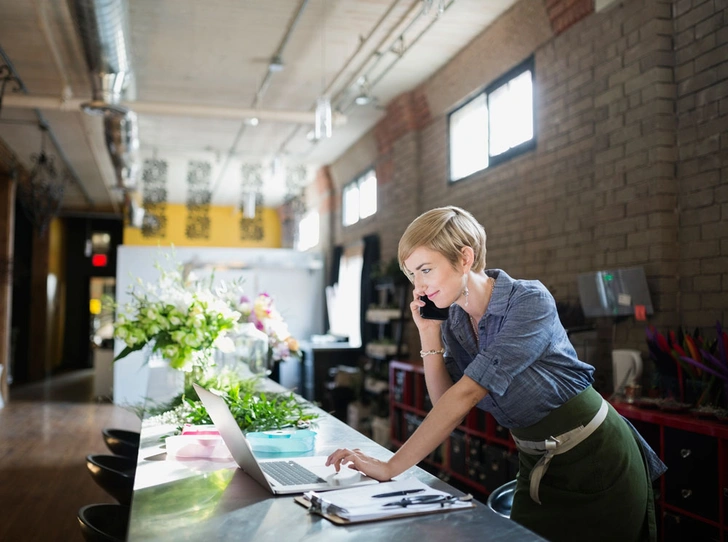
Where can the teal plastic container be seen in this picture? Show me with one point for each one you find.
(283, 441)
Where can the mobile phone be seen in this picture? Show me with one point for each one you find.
(432, 311)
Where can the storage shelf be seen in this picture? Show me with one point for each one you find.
(683, 512)
(695, 451)
(409, 408)
(464, 479)
(686, 421)
(475, 455)
(382, 316)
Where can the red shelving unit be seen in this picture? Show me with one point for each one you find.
(479, 454)
(692, 496)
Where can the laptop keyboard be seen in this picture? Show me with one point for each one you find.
(288, 473)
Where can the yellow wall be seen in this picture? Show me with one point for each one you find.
(57, 304)
(224, 229)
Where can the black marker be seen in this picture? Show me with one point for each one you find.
(397, 493)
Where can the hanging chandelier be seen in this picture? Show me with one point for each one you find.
(41, 193)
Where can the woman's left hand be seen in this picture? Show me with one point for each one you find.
(356, 459)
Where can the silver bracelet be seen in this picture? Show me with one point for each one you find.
(424, 353)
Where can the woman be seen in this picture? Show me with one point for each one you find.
(584, 472)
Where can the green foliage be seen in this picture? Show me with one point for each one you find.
(254, 410)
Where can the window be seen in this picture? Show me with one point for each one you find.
(343, 300)
(308, 231)
(495, 125)
(469, 138)
(511, 117)
(360, 198)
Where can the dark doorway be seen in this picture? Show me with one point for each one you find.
(83, 262)
(20, 316)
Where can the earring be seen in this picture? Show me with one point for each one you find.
(466, 292)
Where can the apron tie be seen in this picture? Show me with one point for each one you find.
(557, 445)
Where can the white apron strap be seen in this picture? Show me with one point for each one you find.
(557, 445)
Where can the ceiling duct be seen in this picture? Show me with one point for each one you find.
(122, 140)
(103, 27)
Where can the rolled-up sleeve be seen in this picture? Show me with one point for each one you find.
(524, 335)
(453, 369)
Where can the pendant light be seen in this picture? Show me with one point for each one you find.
(323, 121)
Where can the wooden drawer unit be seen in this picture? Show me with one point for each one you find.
(692, 497)
(691, 481)
(680, 528)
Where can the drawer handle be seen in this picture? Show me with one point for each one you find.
(686, 493)
(685, 452)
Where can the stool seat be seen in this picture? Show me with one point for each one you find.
(114, 474)
(104, 522)
(501, 500)
(122, 442)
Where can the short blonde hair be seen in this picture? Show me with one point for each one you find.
(445, 230)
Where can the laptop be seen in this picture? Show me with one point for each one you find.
(280, 476)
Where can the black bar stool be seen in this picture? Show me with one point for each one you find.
(122, 442)
(501, 500)
(114, 474)
(104, 522)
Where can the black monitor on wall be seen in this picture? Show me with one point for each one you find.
(614, 292)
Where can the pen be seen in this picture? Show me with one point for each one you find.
(397, 493)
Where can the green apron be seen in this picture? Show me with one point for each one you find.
(598, 491)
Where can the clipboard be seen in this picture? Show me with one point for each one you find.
(327, 508)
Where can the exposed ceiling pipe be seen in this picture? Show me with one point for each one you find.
(41, 7)
(375, 54)
(171, 109)
(261, 91)
(400, 53)
(409, 18)
(378, 55)
(276, 63)
(103, 27)
(362, 44)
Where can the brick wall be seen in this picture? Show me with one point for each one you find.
(617, 179)
(701, 77)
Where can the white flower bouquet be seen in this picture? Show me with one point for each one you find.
(184, 320)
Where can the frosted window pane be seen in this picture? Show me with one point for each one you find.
(500, 118)
(368, 195)
(469, 139)
(521, 90)
(511, 114)
(351, 205)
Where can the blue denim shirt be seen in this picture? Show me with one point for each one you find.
(525, 360)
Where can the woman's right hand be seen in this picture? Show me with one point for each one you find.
(356, 459)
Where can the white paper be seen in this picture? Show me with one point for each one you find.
(358, 504)
(624, 299)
